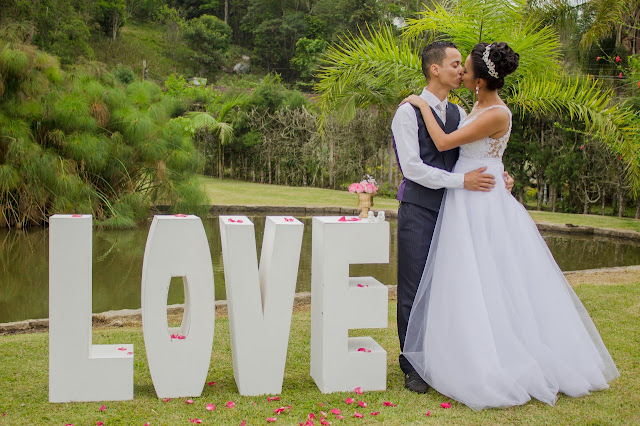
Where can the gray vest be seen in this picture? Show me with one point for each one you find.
(414, 193)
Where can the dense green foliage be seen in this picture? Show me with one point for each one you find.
(79, 142)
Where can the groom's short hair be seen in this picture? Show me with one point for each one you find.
(434, 53)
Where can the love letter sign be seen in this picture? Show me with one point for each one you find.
(260, 303)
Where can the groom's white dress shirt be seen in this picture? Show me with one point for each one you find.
(405, 132)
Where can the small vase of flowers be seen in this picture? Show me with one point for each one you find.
(365, 189)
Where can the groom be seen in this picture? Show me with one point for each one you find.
(426, 173)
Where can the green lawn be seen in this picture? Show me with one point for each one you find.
(232, 192)
(24, 378)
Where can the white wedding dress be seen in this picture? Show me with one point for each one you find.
(494, 321)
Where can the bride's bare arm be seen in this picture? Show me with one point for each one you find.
(489, 123)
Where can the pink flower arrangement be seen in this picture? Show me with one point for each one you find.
(367, 185)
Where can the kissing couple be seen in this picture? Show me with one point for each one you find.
(485, 315)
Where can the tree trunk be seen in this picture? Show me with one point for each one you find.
(604, 196)
(540, 194)
(331, 162)
(638, 208)
(552, 198)
(391, 153)
(621, 203)
(226, 11)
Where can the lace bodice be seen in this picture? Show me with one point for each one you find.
(487, 147)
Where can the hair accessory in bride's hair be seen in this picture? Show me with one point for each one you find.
(490, 65)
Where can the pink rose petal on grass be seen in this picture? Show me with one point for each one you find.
(388, 404)
(211, 407)
(166, 399)
(311, 416)
(321, 404)
(445, 405)
(428, 413)
(102, 408)
(99, 423)
(339, 417)
(271, 419)
(325, 422)
(196, 420)
(147, 424)
(244, 422)
(349, 400)
(358, 415)
(189, 401)
(279, 410)
(273, 398)
(375, 413)
(358, 390)
(335, 411)
(323, 414)
(362, 404)
(231, 404)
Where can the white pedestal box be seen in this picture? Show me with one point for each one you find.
(79, 370)
(178, 358)
(340, 303)
(260, 300)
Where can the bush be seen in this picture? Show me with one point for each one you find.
(124, 74)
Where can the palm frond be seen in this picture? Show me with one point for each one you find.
(607, 14)
(588, 102)
(377, 70)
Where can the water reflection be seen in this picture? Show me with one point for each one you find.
(117, 265)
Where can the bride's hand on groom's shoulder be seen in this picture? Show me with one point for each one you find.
(414, 100)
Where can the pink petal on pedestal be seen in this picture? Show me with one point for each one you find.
(445, 405)
(239, 220)
(211, 407)
(123, 348)
(362, 404)
(102, 408)
(342, 219)
(180, 215)
(231, 404)
(364, 350)
(349, 400)
(231, 220)
(358, 390)
(388, 404)
(335, 411)
(76, 215)
(358, 415)
(180, 337)
(129, 353)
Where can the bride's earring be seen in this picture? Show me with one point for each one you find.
(476, 90)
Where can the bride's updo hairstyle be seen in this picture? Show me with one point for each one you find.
(494, 65)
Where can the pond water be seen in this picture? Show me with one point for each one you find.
(117, 265)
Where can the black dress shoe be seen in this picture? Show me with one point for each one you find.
(414, 383)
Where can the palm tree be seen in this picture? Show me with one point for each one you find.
(218, 126)
(377, 70)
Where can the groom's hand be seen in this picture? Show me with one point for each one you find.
(508, 181)
(476, 180)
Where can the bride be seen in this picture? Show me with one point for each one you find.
(494, 321)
